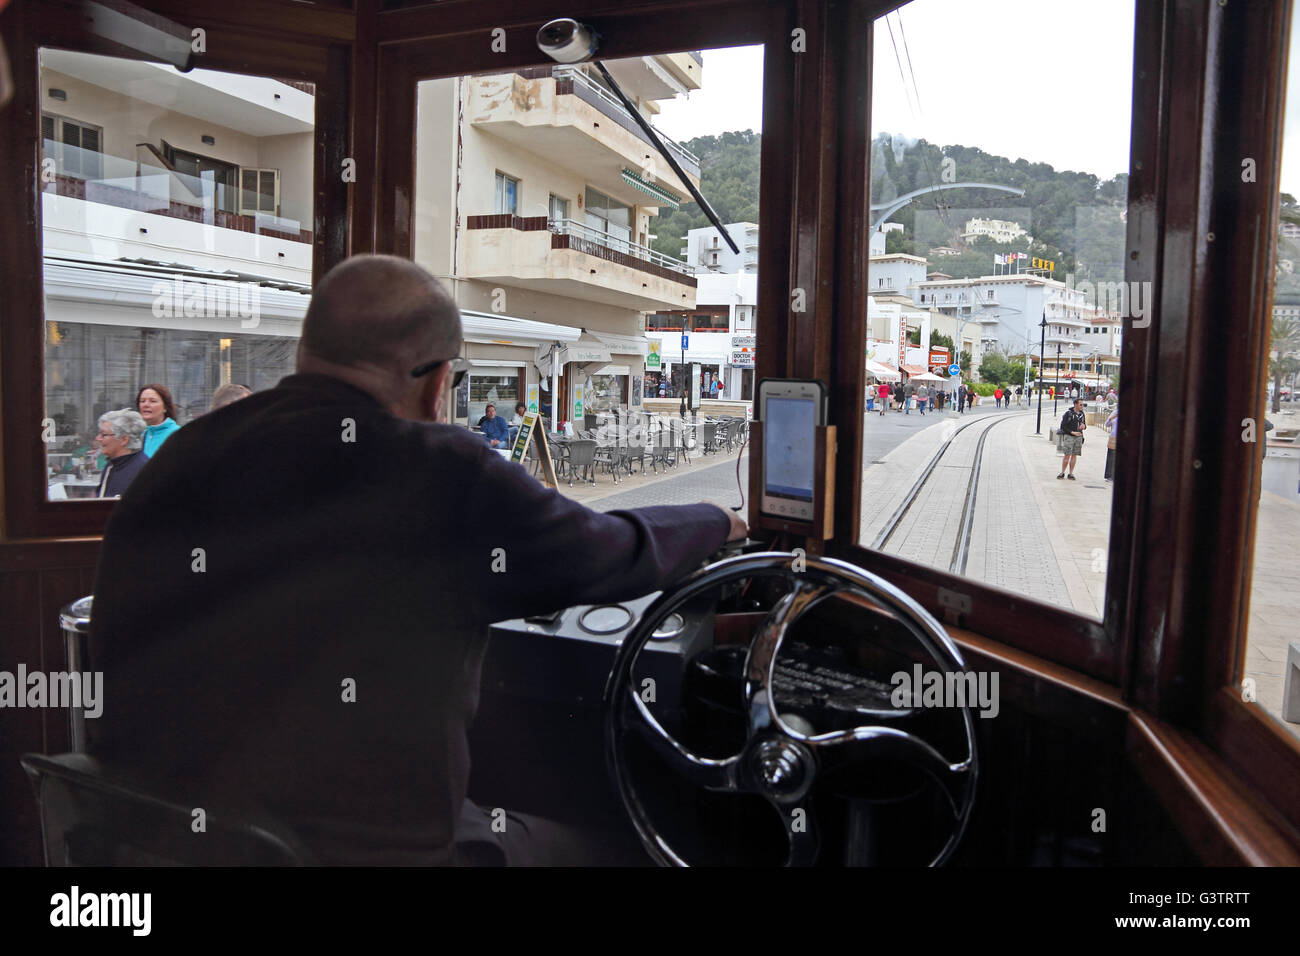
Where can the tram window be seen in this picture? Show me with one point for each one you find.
(590, 300)
(155, 272)
(997, 250)
(1272, 645)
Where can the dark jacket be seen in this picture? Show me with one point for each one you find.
(495, 427)
(119, 473)
(1072, 422)
(303, 541)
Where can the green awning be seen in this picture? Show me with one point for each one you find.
(657, 192)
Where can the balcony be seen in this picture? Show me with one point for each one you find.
(561, 111)
(1070, 344)
(567, 258)
(142, 186)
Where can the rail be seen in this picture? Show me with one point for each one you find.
(961, 545)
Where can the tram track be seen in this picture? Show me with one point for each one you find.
(944, 455)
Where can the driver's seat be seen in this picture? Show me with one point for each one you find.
(97, 814)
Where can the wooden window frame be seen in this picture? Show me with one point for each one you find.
(265, 42)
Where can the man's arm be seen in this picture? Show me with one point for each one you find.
(544, 551)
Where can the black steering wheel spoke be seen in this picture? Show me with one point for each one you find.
(847, 748)
(709, 773)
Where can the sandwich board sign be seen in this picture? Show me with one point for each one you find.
(534, 429)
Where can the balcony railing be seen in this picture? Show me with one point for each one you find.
(583, 238)
(570, 234)
(130, 184)
(570, 79)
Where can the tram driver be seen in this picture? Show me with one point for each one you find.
(293, 599)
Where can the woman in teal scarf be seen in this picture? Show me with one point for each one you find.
(155, 405)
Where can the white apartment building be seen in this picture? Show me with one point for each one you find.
(706, 250)
(1008, 311)
(176, 227)
(893, 312)
(536, 195)
(999, 230)
(720, 336)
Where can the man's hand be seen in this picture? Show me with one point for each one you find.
(739, 529)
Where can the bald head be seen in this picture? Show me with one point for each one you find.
(375, 318)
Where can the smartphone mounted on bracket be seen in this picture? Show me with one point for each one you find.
(791, 411)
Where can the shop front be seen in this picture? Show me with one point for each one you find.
(502, 351)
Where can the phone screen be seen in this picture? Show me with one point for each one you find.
(789, 437)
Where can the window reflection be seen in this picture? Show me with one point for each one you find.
(176, 238)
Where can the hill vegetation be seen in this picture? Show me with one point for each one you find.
(1075, 218)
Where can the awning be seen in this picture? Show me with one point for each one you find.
(584, 351)
(915, 370)
(881, 370)
(650, 189)
(928, 377)
(623, 344)
(485, 327)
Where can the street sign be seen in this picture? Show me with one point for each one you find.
(742, 359)
(684, 341)
(954, 370)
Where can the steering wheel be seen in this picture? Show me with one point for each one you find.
(783, 755)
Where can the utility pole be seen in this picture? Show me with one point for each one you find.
(1042, 340)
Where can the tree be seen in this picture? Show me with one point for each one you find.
(1285, 340)
(995, 368)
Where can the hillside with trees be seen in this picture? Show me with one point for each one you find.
(1075, 218)
(728, 180)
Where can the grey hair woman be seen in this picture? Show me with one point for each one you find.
(121, 439)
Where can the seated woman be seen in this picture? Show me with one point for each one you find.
(120, 438)
(158, 410)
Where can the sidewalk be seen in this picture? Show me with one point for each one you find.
(1075, 514)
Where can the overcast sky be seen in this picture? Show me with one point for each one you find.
(1050, 81)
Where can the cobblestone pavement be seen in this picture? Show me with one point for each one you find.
(1022, 539)
(1075, 515)
(1009, 545)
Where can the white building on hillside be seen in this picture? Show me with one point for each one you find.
(707, 251)
(999, 230)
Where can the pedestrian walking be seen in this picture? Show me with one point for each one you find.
(898, 397)
(908, 392)
(961, 399)
(997, 396)
(972, 396)
(1112, 436)
(1073, 425)
(922, 397)
(883, 392)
